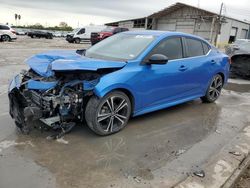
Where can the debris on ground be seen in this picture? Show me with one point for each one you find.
(217, 131)
(200, 173)
(244, 180)
(137, 179)
(236, 153)
(179, 152)
(62, 141)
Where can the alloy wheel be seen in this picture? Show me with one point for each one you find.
(215, 87)
(113, 114)
(5, 38)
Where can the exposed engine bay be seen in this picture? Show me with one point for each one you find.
(57, 101)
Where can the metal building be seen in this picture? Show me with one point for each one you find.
(190, 19)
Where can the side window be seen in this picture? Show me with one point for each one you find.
(194, 47)
(206, 48)
(82, 31)
(172, 48)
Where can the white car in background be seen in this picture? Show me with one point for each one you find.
(83, 34)
(7, 33)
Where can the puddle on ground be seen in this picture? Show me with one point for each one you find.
(148, 143)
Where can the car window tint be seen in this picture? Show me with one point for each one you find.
(172, 48)
(194, 47)
(206, 48)
(3, 27)
(82, 31)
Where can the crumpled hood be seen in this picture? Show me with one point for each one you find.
(45, 64)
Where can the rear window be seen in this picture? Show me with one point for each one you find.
(194, 47)
(4, 27)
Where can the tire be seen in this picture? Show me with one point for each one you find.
(113, 121)
(77, 40)
(214, 90)
(5, 38)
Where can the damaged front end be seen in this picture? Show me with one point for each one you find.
(58, 100)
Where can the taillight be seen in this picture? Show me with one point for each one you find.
(13, 31)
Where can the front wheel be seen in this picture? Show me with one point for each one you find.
(214, 89)
(77, 40)
(109, 114)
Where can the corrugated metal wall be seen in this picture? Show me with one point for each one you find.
(188, 20)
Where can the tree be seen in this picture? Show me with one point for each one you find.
(16, 16)
(63, 24)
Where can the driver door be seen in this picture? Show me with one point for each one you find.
(169, 82)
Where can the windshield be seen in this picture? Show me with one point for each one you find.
(75, 30)
(120, 47)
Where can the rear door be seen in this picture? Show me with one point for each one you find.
(199, 64)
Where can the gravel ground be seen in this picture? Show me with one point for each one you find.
(244, 180)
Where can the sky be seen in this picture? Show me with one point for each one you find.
(84, 12)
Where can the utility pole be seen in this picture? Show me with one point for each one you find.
(198, 5)
(218, 33)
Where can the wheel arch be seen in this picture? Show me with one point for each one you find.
(125, 90)
(223, 76)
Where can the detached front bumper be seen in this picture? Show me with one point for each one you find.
(21, 107)
(18, 104)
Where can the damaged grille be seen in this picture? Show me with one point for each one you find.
(39, 100)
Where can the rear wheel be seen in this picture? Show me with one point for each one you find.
(214, 89)
(109, 114)
(5, 38)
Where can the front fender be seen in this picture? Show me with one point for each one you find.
(120, 79)
(101, 90)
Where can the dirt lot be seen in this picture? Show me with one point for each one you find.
(160, 149)
(244, 180)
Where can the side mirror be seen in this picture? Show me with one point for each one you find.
(157, 59)
(81, 51)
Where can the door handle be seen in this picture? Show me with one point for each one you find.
(183, 68)
(213, 61)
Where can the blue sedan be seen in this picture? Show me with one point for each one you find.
(128, 74)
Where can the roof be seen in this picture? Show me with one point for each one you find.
(179, 5)
(175, 7)
(161, 33)
(127, 20)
